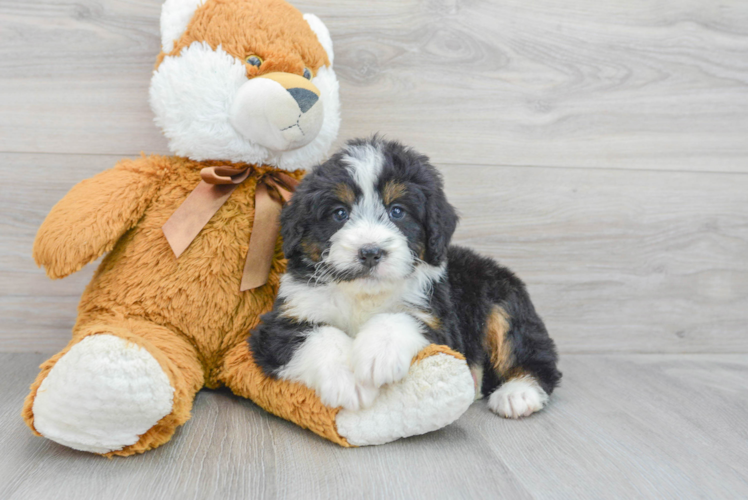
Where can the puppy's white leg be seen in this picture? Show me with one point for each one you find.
(322, 363)
(518, 397)
(384, 348)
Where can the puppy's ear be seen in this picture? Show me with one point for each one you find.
(441, 221)
(292, 225)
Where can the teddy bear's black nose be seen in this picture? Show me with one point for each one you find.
(304, 98)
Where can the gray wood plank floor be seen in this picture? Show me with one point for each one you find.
(625, 426)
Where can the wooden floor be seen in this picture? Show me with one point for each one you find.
(625, 426)
(600, 149)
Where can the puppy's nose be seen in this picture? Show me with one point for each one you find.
(304, 98)
(370, 255)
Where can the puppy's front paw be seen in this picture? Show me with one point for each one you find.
(339, 388)
(322, 363)
(378, 363)
(383, 350)
(519, 397)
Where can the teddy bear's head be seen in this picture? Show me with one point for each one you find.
(245, 81)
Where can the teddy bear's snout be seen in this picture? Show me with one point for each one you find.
(280, 111)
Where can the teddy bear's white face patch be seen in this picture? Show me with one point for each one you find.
(175, 16)
(210, 110)
(280, 113)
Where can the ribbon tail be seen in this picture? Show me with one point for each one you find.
(265, 231)
(194, 213)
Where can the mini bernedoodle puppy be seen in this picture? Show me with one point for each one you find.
(372, 280)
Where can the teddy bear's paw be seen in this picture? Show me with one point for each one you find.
(436, 391)
(519, 397)
(102, 395)
(384, 349)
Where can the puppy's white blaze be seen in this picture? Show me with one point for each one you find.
(384, 348)
(359, 232)
(369, 223)
(519, 397)
(365, 165)
(322, 363)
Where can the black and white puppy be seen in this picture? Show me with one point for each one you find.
(372, 280)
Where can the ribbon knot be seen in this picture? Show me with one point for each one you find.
(273, 190)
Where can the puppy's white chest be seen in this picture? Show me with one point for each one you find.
(349, 309)
(344, 306)
(348, 305)
(360, 309)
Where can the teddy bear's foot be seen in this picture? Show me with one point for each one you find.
(102, 395)
(438, 389)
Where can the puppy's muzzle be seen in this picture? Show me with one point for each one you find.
(370, 255)
(280, 111)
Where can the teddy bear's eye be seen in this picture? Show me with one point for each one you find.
(254, 61)
(307, 74)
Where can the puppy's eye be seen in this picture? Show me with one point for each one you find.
(255, 61)
(307, 74)
(340, 214)
(397, 212)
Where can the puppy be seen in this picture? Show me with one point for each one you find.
(372, 280)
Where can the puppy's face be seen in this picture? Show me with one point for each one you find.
(376, 210)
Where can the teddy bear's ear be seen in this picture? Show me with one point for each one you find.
(323, 35)
(175, 16)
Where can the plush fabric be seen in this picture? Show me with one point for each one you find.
(435, 393)
(265, 28)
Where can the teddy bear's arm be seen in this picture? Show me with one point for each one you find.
(94, 214)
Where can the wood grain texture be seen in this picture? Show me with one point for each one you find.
(636, 426)
(639, 85)
(652, 262)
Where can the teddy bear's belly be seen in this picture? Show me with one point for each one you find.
(196, 295)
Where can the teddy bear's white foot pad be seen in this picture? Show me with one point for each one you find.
(102, 395)
(435, 393)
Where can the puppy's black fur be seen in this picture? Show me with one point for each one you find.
(481, 309)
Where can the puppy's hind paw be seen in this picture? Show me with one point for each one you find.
(518, 397)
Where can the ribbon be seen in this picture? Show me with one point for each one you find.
(273, 189)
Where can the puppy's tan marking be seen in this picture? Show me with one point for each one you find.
(499, 349)
(345, 194)
(515, 373)
(392, 191)
(426, 318)
(311, 249)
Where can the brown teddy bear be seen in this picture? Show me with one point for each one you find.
(245, 92)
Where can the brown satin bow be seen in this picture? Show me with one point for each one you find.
(273, 189)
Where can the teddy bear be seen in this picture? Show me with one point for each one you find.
(245, 92)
